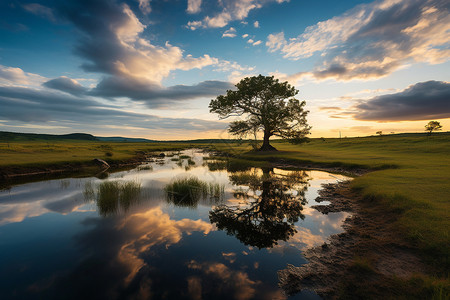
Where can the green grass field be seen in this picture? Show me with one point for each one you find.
(37, 153)
(410, 174)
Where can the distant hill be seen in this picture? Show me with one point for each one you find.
(17, 136)
(6, 136)
(124, 139)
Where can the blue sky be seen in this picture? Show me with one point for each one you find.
(148, 68)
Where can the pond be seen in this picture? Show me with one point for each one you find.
(183, 226)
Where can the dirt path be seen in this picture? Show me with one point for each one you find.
(369, 260)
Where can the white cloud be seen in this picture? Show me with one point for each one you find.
(230, 10)
(144, 6)
(231, 32)
(371, 40)
(236, 76)
(194, 6)
(250, 41)
(245, 36)
(16, 76)
(256, 24)
(257, 43)
(193, 25)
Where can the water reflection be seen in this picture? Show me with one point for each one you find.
(91, 239)
(271, 207)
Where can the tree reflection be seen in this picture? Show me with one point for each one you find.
(272, 204)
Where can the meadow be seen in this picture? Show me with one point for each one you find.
(409, 174)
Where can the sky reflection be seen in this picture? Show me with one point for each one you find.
(153, 248)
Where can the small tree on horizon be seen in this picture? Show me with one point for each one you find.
(433, 126)
(266, 105)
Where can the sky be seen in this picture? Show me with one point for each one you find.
(149, 68)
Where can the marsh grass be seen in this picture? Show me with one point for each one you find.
(216, 165)
(188, 191)
(145, 168)
(113, 196)
(190, 162)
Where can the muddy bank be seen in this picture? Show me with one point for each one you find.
(12, 175)
(369, 260)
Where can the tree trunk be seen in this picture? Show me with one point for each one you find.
(266, 145)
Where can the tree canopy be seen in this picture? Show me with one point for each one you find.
(264, 104)
(433, 126)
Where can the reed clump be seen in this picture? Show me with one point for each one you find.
(188, 191)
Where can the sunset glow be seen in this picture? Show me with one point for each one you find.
(150, 68)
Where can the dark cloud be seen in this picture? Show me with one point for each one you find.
(66, 84)
(99, 44)
(41, 106)
(110, 43)
(155, 95)
(422, 101)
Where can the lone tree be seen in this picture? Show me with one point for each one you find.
(267, 105)
(433, 126)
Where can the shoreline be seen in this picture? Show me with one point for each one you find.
(18, 174)
(368, 260)
(370, 248)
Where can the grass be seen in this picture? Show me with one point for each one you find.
(42, 153)
(411, 176)
(113, 196)
(188, 191)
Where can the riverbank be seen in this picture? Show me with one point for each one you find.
(371, 259)
(406, 181)
(38, 159)
(403, 189)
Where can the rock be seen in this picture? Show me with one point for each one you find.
(100, 162)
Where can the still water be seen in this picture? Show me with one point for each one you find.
(78, 238)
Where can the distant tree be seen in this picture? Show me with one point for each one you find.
(380, 133)
(266, 105)
(433, 126)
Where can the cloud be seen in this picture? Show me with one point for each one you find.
(40, 10)
(111, 43)
(34, 106)
(372, 40)
(144, 6)
(66, 84)
(421, 101)
(11, 75)
(245, 36)
(256, 24)
(257, 43)
(194, 6)
(230, 10)
(231, 32)
(232, 282)
(155, 95)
